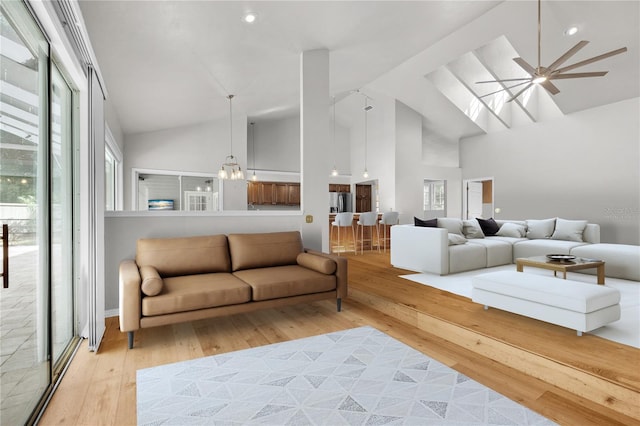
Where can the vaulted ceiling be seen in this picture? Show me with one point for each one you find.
(172, 63)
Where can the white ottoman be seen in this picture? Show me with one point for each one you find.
(571, 304)
(620, 260)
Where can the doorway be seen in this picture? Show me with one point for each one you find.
(478, 198)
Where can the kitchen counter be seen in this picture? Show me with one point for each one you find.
(346, 236)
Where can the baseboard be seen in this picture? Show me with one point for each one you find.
(111, 313)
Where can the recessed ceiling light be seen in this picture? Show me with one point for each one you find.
(571, 31)
(250, 18)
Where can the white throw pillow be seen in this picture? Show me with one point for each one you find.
(569, 230)
(453, 225)
(540, 229)
(455, 239)
(512, 230)
(471, 229)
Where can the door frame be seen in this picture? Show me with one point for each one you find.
(465, 203)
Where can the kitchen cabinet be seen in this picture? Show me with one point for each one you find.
(336, 187)
(294, 194)
(274, 193)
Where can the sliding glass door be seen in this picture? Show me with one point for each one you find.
(36, 308)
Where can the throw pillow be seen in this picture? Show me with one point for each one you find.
(511, 230)
(471, 229)
(317, 263)
(540, 229)
(489, 226)
(455, 239)
(569, 230)
(152, 283)
(453, 225)
(431, 223)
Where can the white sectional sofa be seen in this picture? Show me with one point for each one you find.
(456, 245)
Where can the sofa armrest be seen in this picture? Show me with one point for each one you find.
(130, 296)
(420, 249)
(341, 271)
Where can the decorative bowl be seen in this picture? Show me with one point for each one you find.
(561, 257)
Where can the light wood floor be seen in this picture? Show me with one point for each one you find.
(100, 388)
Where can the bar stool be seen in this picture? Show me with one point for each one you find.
(388, 219)
(368, 219)
(343, 220)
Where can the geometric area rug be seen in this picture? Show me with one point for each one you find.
(359, 376)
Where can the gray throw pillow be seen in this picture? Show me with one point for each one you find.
(511, 230)
(455, 239)
(453, 225)
(569, 230)
(540, 229)
(471, 229)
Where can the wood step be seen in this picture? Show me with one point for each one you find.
(601, 371)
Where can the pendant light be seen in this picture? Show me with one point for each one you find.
(334, 171)
(230, 169)
(367, 108)
(253, 150)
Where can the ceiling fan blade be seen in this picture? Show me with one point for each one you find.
(520, 92)
(506, 88)
(505, 79)
(525, 66)
(550, 87)
(591, 60)
(564, 58)
(579, 75)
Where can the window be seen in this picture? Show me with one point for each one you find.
(112, 173)
(435, 197)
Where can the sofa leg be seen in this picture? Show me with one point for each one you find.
(339, 304)
(130, 338)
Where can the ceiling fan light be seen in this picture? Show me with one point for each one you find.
(539, 79)
(571, 31)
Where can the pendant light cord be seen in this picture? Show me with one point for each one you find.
(366, 111)
(230, 97)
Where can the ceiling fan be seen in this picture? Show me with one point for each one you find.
(543, 75)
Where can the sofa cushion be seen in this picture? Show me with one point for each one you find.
(539, 229)
(455, 239)
(285, 281)
(498, 252)
(511, 230)
(621, 260)
(192, 292)
(489, 226)
(471, 229)
(569, 230)
(452, 225)
(320, 264)
(430, 223)
(152, 284)
(529, 248)
(467, 257)
(184, 256)
(250, 251)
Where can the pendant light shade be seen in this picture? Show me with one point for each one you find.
(230, 169)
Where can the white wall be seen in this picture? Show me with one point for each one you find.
(380, 147)
(581, 166)
(198, 148)
(277, 146)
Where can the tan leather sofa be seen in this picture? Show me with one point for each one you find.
(174, 280)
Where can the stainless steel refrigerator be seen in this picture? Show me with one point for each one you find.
(340, 202)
